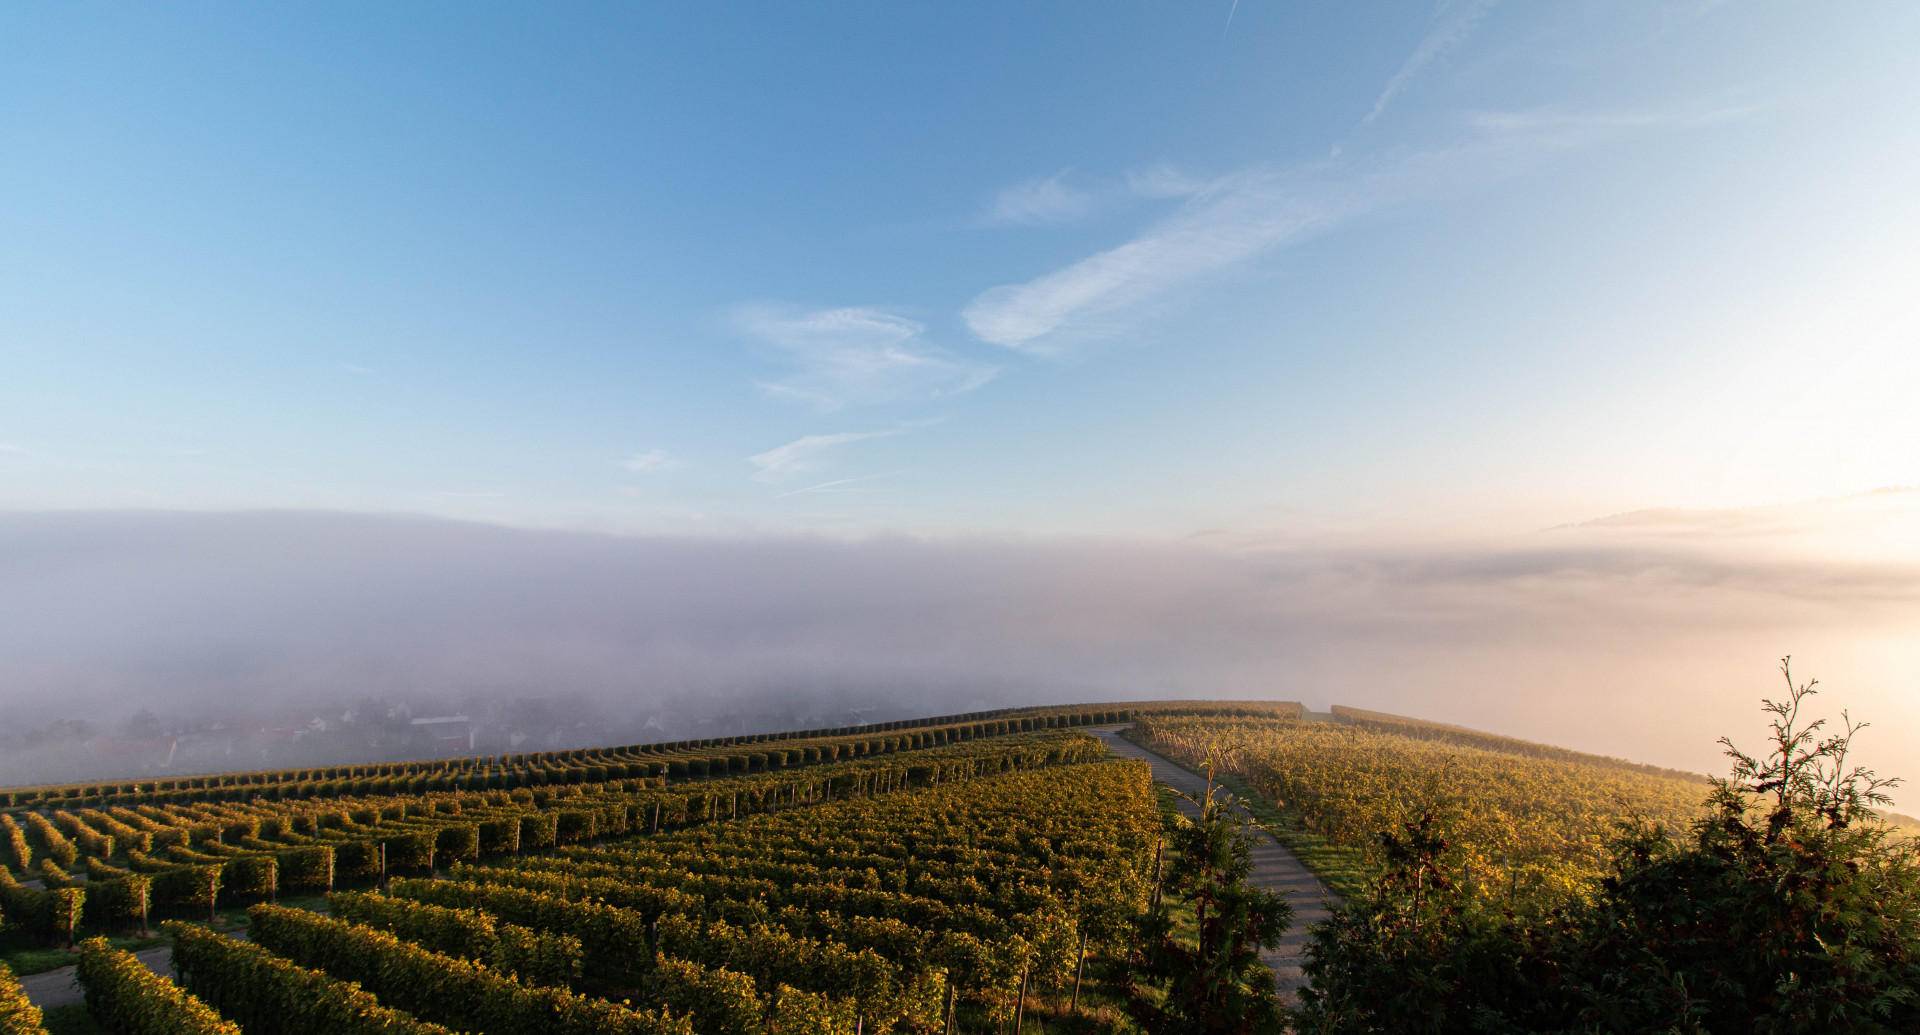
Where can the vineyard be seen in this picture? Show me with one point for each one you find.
(1532, 820)
(680, 759)
(885, 880)
(970, 874)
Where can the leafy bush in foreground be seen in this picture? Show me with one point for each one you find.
(1788, 908)
(17, 1015)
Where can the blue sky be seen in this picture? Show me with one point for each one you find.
(1251, 270)
(967, 354)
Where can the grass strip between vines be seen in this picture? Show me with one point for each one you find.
(1344, 870)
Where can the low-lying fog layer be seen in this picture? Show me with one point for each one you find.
(1646, 636)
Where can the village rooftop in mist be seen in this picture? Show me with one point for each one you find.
(395, 380)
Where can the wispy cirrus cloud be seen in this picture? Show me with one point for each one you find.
(1163, 181)
(8, 447)
(651, 461)
(1576, 128)
(1230, 221)
(1453, 23)
(1041, 201)
(837, 484)
(1051, 200)
(806, 453)
(858, 355)
(1234, 219)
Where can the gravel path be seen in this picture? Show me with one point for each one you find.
(1273, 866)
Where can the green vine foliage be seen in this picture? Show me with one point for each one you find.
(268, 995)
(1418, 951)
(129, 999)
(27, 910)
(867, 893)
(613, 940)
(14, 850)
(68, 904)
(571, 768)
(18, 1016)
(445, 989)
(531, 957)
(719, 1002)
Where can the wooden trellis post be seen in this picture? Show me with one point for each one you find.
(1079, 968)
(1158, 851)
(1020, 1008)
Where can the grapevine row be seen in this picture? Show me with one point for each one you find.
(680, 759)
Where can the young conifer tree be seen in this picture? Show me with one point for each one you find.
(1217, 986)
(1790, 907)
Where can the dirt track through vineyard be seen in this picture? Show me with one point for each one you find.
(1274, 867)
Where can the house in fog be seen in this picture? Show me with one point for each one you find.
(452, 734)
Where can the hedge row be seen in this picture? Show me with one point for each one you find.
(272, 996)
(456, 992)
(129, 999)
(533, 957)
(582, 765)
(18, 1016)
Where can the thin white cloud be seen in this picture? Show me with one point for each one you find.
(1163, 181)
(805, 453)
(835, 484)
(8, 447)
(1244, 216)
(1051, 201)
(1237, 218)
(1040, 201)
(1453, 24)
(859, 356)
(1578, 128)
(650, 461)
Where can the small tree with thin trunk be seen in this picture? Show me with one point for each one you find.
(140, 893)
(206, 886)
(67, 905)
(1218, 985)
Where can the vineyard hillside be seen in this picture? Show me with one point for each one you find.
(1530, 821)
(958, 874)
(905, 879)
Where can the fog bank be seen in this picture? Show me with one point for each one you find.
(1645, 636)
